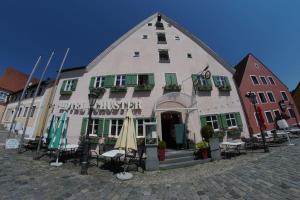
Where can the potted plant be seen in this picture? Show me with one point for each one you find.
(161, 150)
(203, 149)
(207, 132)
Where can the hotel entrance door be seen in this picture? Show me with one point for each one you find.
(171, 127)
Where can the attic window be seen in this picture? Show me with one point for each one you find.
(158, 18)
(189, 55)
(149, 24)
(177, 38)
(136, 54)
(159, 26)
(145, 36)
(164, 56)
(256, 65)
(161, 38)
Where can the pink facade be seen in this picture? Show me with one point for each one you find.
(252, 75)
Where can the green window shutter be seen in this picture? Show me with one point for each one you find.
(227, 81)
(174, 79)
(106, 127)
(83, 126)
(151, 79)
(194, 78)
(168, 79)
(109, 81)
(92, 82)
(63, 86)
(203, 121)
(209, 83)
(74, 84)
(223, 121)
(131, 80)
(100, 127)
(238, 119)
(215, 78)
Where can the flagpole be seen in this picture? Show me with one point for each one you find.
(23, 94)
(32, 102)
(50, 104)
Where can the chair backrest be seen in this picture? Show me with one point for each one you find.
(282, 124)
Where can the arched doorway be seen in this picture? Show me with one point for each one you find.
(169, 121)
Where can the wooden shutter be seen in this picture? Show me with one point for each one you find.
(92, 83)
(209, 83)
(100, 127)
(227, 81)
(203, 121)
(224, 121)
(131, 80)
(238, 119)
(216, 82)
(168, 78)
(83, 126)
(63, 86)
(109, 81)
(74, 84)
(151, 79)
(106, 127)
(174, 79)
(194, 78)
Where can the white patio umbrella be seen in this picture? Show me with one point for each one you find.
(126, 141)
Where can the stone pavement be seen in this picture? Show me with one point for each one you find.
(275, 175)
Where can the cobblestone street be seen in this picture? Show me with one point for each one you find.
(275, 175)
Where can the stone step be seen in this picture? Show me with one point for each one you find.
(178, 154)
(182, 164)
(178, 159)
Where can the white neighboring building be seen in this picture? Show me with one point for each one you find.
(149, 69)
(38, 114)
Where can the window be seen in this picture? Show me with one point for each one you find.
(256, 65)
(189, 55)
(212, 120)
(263, 80)
(32, 111)
(269, 116)
(177, 38)
(277, 114)
(149, 24)
(3, 96)
(230, 119)
(68, 86)
(271, 97)
(254, 80)
(94, 126)
(161, 38)
(221, 80)
(143, 79)
(255, 98)
(284, 96)
(164, 56)
(202, 80)
(20, 111)
(262, 97)
(25, 112)
(120, 80)
(40, 91)
(159, 26)
(271, 80)
(99, 81)
(136, 54)
(145, 36)
(292, 113)
(115, 127)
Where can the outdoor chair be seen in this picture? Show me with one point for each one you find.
(95, 154)
(136, 158)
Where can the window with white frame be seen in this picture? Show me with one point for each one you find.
(3, 96)
(271, 97)
(120, 80)
(271, 80)
(256, 118)
(93, 125)
(284, 96)
(263, 80)
(269, 116)
(277, 114)
(262, 97)
(99, 81)
(25, 112)
(115, 127)
(254, 80)
(292, 113)
(20, 111)
(140, 127)
(68, 86)
(202, 80)
(221, 80)
(230, 119)
(212, 120)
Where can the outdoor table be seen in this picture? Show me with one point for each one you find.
(69, 150)
(114, 156)
(233, 145)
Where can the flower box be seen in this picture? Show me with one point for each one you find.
(118, 89)
(172, 88)
(225, 88)
(62, 92)
(141, 88)
(204, 88)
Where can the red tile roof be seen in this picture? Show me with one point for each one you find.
(13, 80)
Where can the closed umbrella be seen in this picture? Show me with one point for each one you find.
(52, 128)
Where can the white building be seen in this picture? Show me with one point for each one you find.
(149, 69)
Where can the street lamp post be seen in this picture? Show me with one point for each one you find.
(93, 95)
(252, 98)
(293, 108)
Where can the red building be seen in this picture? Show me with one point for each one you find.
(252, 75)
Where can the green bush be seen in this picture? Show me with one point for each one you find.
(207, 132)
(162, 145)
(202, 145)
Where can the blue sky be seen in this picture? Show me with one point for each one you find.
(268, 29)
